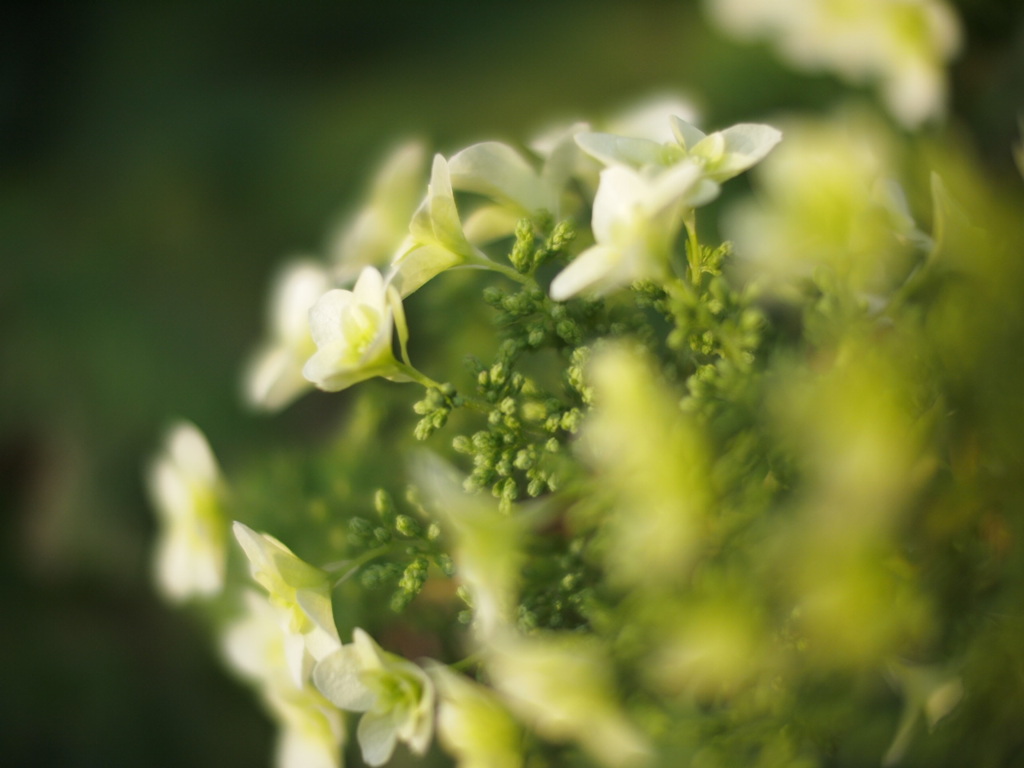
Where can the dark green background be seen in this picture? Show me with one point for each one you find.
(156, 162)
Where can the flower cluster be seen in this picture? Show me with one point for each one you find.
(663, 500)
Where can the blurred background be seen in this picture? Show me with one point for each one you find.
(157, 161)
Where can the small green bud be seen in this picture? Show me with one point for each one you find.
(400, 600)
(445, 563)
(462, 444)
(360, 531)
(383, 503)
(408, 526)
(493, 295)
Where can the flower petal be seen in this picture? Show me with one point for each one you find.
(498, 171)
(377, 734)
(337, 677)
(621, 150)
(586, 272)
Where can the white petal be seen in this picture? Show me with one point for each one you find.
(621, 190)
(369, 290)
(498, 171)
(745, 145)
(419, 265)
(377, 736)
(686, 134)
(621, 150)
(273, 378)
(650, 118)
(323, 639)
(337, 675)
(325, 317)
(190, 452)
(586, 272)
(444, 216)
(296, 288)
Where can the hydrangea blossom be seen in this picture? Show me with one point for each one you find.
(185, 486)
(274, 377)
(396, 696)
(302, 592)
(352, 331)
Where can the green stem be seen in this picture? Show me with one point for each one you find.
(692, 247)
(511, 274)
(416, 375)
(354, 565)
(470, 661)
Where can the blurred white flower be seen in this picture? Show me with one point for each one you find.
(660, 489)
(561, 684)
(396, 696)
(274, 377)
(825, 203)
(257, 646)
(352, 331)
(185, 487)
(371, 237)
(486, 544)
(903, 45)
(472, 724)
(300, 591)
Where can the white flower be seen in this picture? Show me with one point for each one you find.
(473, 725)
(257, 646)
(561, 684)
(396, 696)
(374, 233)
(300, 591)
(637, 216)
(436, 240)
(903, 45)
(185, 487)
(353, 334)
(274, 376)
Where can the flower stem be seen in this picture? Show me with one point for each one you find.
(482, 261)
(354, 565)
(416, 375)
(692, 247)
